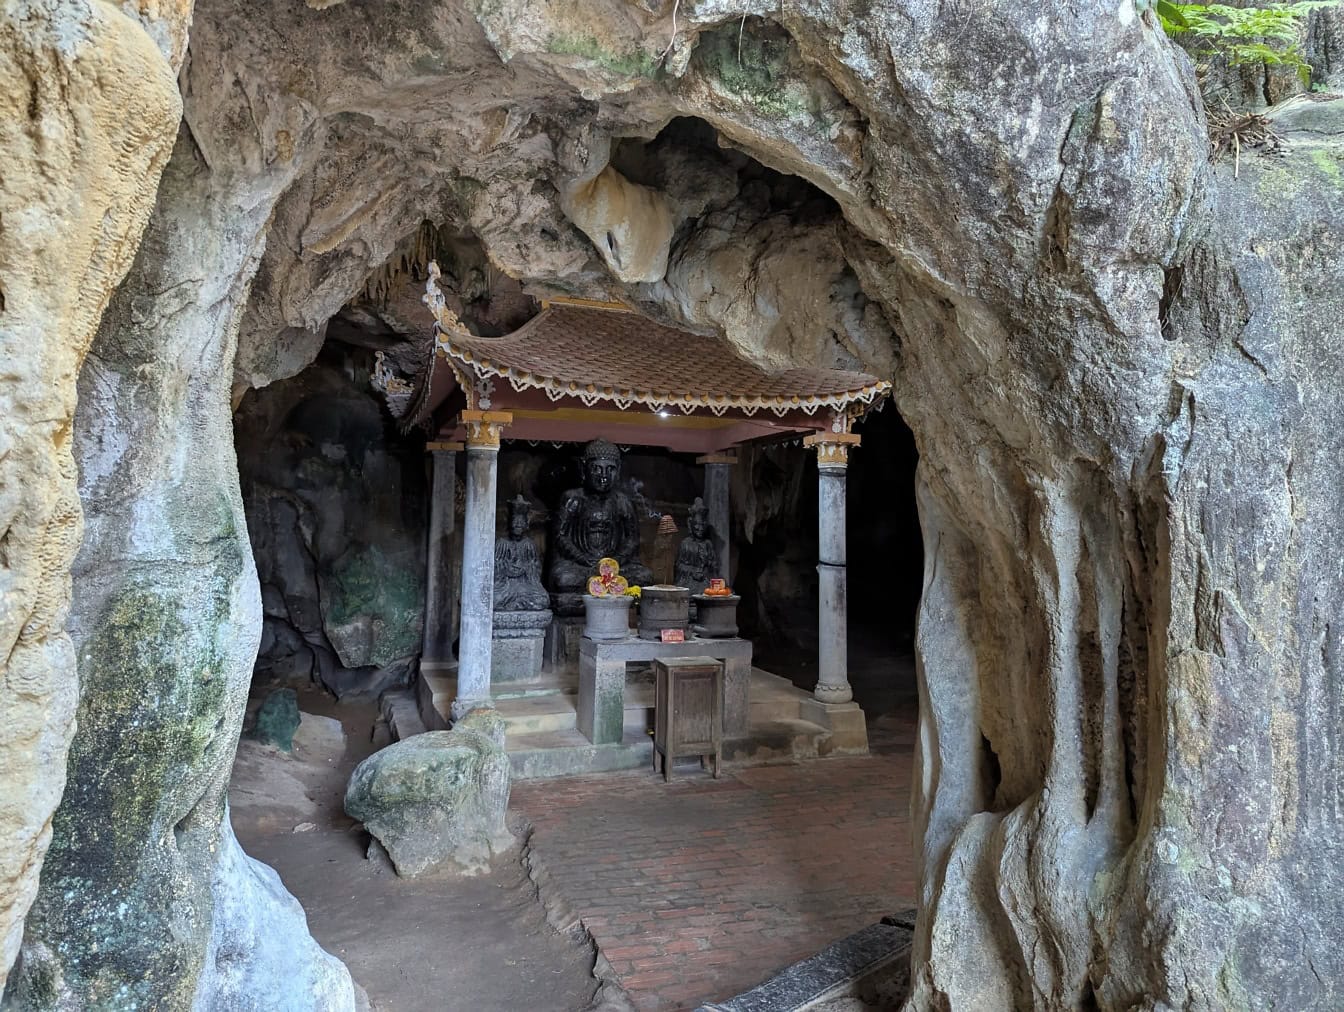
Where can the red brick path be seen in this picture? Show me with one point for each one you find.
(700, 889)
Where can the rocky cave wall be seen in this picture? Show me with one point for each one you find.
(336, 500)
(146, 897)
(88, 111)
(1121, 368)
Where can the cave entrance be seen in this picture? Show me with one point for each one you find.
(360, 610)
(351, 488)
(778, 548)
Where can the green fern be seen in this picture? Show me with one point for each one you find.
(1244, 35)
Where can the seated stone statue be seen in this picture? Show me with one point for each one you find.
(595, 522)
(697, 558)
(518, 565)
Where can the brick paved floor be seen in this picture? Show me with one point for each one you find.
(699, 889)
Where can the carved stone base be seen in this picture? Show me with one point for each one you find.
(515, 625)
(516, 648)
(833, 693)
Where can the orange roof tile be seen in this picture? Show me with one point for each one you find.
(623, 357)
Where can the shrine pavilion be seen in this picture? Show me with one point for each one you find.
(581, 371)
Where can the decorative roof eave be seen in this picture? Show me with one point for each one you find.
(475, 374)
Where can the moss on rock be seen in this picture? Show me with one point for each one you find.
(761, 71)
(126, 916)
(634, 63)
(278, 719)
(373, 608)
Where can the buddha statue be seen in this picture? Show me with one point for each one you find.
(518, 564)
(594, 522)
(697, 558)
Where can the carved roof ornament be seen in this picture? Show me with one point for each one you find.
(445, 320)
(398, 392)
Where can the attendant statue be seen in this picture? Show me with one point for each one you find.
(697, 558)
(518, 565)
(595, 522)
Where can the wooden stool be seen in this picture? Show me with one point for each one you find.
(688, 711)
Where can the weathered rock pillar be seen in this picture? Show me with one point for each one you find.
(478, 559)
(832, 626)
(437, 648)
(717, 479)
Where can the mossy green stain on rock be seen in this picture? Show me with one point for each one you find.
(1328, 163)
(764, 76)
(1275, 183)
(125, 876)
(366, 585)
(635, 63)
(278, 719)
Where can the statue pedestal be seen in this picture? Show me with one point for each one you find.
(517, 639)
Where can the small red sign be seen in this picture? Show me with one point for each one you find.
(673, 635)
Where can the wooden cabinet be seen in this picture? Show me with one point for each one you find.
(688, 711)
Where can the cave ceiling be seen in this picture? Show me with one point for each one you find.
(496, 121)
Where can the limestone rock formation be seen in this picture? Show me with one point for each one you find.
(1245, 776)
(630, 224)
(1176, 672)
(88, 109)
(259, 954)
(437, 799)
(143, 896)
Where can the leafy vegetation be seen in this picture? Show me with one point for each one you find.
(1243, 35)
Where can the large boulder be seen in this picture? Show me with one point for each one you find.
(437, 799)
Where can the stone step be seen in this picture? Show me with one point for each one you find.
(774, 698)
(537, 714)
(434, 692)
(566, 753)
(399, 709)
(870, 968)
(778, 741)
(557, 753)
(543, 688)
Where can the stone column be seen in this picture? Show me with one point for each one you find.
(717, 479)
(832, 630)
(436, 653)
(478, 559)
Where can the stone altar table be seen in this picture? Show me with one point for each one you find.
(602, 680)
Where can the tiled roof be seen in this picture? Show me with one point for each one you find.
(622, 357)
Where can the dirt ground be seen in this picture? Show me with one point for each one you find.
(451, 944)
(431, 943)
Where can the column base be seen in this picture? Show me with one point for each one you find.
(845, 721)
(833, 693)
